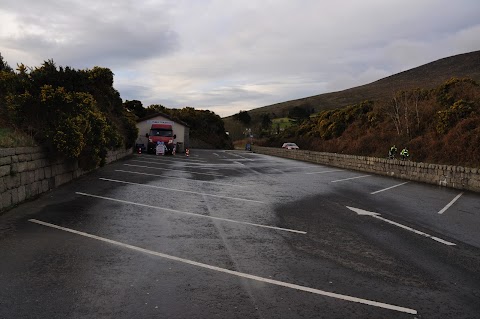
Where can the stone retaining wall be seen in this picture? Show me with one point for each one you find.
(26, 172)
(445, 175)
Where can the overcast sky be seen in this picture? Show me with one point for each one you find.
(229, 55)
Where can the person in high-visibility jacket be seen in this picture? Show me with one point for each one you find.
(392, 152)
(404, 154)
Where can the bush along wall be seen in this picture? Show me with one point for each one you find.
(75, 113)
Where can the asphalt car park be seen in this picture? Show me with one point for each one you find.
(234, 234)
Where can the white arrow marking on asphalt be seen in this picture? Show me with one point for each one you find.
(377, 216)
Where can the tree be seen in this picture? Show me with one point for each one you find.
(135, 107)
(394, 113)
(298, 113)
(156, 108)
(266, 122)
(204, 125)
(243, 117)
(4, 65)
(8, 81)
(75, 113)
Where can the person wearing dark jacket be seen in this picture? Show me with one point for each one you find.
(392, 152)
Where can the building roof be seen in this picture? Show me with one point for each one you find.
(151, 116)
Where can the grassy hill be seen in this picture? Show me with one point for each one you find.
(433, 110)
(427, 76)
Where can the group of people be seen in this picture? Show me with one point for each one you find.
(393, 151)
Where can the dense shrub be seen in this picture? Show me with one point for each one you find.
(76, 113)
(448, 118)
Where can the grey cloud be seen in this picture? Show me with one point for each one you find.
(466, 39)
(204, 53)
(222, 96)
(216, 96)
(82, 37)
(133, 92)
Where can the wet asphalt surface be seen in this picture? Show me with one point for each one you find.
(232, 234)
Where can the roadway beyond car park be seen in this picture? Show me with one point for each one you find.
(233, 234)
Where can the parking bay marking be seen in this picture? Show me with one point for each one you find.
(184, 178)
(178, 159)
(386, 189)
(181, 190)
(323, 172)
(242, 157)
(232, 272)
(176, 170)
(347, 179)
(450, 204)
(193, 214)
(377, 216)
(195, 165)
(277, 170)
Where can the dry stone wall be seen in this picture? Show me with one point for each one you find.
(466, 178)
(26, 172)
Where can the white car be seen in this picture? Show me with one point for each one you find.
(290, 146)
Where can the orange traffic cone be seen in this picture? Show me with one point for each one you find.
(187, 152)
(139, 150)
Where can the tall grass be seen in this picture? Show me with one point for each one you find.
(14, 138)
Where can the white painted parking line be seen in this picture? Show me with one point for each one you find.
(174, 170)
(192, 214)
(182, 191)
(450, 204)
(242, 157)
(294, 167)
(232, 272)
(386, 189)
(177, 159)
(347, 179)
(195, 165)
(324, 172)
(203, 165)
(362, 212)
(236, 160)
(183, 178)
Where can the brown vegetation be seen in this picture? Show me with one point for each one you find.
(427, 109)
(441, 125)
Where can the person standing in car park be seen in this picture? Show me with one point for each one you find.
(392, 152)
(404, 153)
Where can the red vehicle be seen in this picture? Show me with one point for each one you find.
(160, 133)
